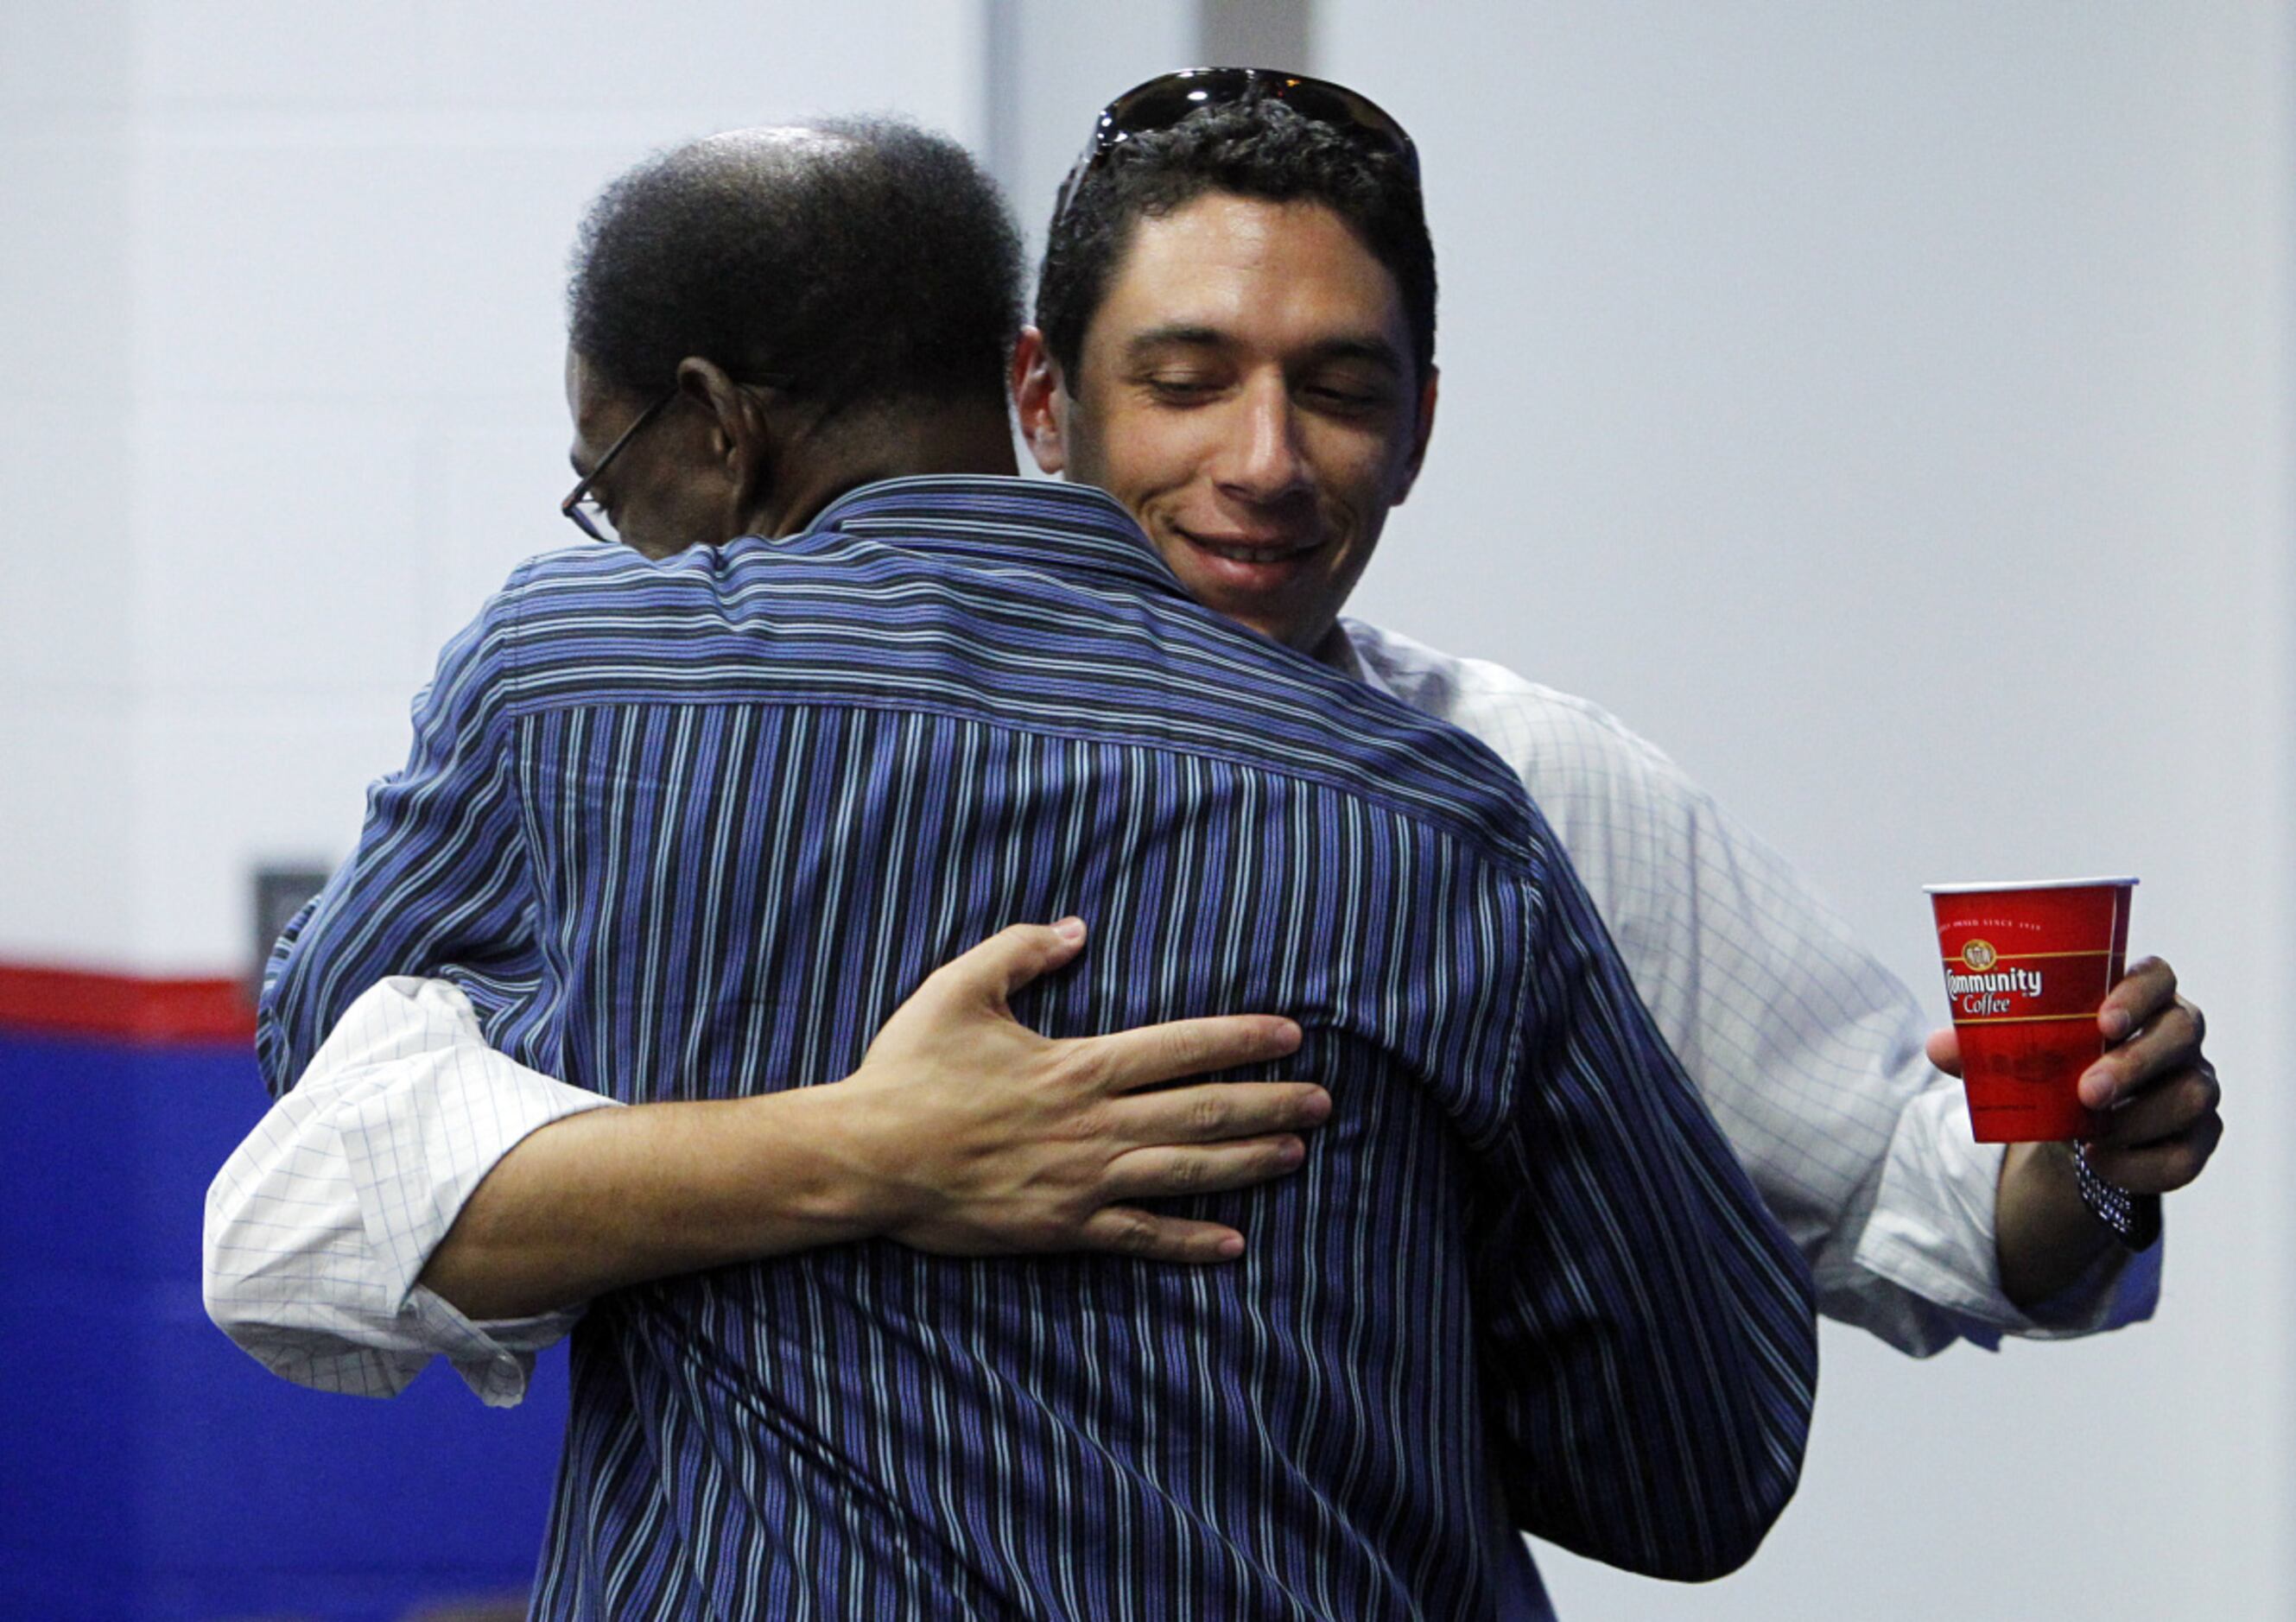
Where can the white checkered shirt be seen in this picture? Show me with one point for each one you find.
(1808, 1050)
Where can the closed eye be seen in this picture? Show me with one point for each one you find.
(1183, 391)
(1332, 400)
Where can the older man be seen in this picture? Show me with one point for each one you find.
(683, 833)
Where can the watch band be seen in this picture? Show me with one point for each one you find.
(2135, 1219)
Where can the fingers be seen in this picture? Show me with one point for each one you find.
(1129, 1230)
(1944, 1049)
(2169, 1106)
(2168, 1044)
(2147, 989)
(1216, 1168)
(1007, 960)
(1164, 1173)
(2162, 1138)
(2162, 1167)
(1214, 1111)
(1128, 1060)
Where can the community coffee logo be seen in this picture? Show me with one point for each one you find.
(1987, 987)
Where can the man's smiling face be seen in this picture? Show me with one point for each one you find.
(1247, 388)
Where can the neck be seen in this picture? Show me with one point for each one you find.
(1334, 649)
(894, 443)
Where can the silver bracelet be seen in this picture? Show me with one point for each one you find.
(2135, 1219)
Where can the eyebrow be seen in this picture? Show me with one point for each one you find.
(1374, 351)
(1156, 337)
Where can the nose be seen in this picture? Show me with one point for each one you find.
(1262, 459)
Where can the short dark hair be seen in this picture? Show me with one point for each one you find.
(1258, 149)
(846, 260)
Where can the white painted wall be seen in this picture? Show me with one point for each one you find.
(1068, 61)
(1887, 410)
(280, 333)
(66, 677)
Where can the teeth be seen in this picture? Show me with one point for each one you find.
(1252, 555)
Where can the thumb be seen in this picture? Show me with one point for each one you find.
(1009, 960)
(1944, 1049)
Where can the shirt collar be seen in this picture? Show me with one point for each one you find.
(1339, 653)
(1061, 528)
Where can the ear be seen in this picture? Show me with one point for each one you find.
(1420, 432)
(738, 441)
(1040, 400)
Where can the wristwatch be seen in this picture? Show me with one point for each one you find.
(2135, 1219)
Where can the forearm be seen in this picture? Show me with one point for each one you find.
(615, 1198)
(2046, 1239)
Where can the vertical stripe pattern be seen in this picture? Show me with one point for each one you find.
(693, 829)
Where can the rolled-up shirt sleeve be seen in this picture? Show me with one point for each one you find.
(319, 1225)
(1948, 1258)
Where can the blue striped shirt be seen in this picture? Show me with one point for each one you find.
(693, 829)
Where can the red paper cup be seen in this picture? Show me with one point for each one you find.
(2027, 966)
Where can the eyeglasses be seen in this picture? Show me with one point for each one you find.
(589, 514)
(1167, 100)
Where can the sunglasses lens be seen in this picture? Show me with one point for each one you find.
(1165, 102)
(1327, 104)
(1162, 103)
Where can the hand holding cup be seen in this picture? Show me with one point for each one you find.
(2152, 1092)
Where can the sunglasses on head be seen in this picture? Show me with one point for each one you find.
(1166, 99)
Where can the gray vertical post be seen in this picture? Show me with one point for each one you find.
(1002, 86)
(1255, 33)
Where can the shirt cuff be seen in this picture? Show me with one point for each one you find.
(496, 1357)
(1932, 1232)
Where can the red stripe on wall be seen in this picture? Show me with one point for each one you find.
(135, 1007)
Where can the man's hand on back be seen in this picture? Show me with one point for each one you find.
(972, 1134)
